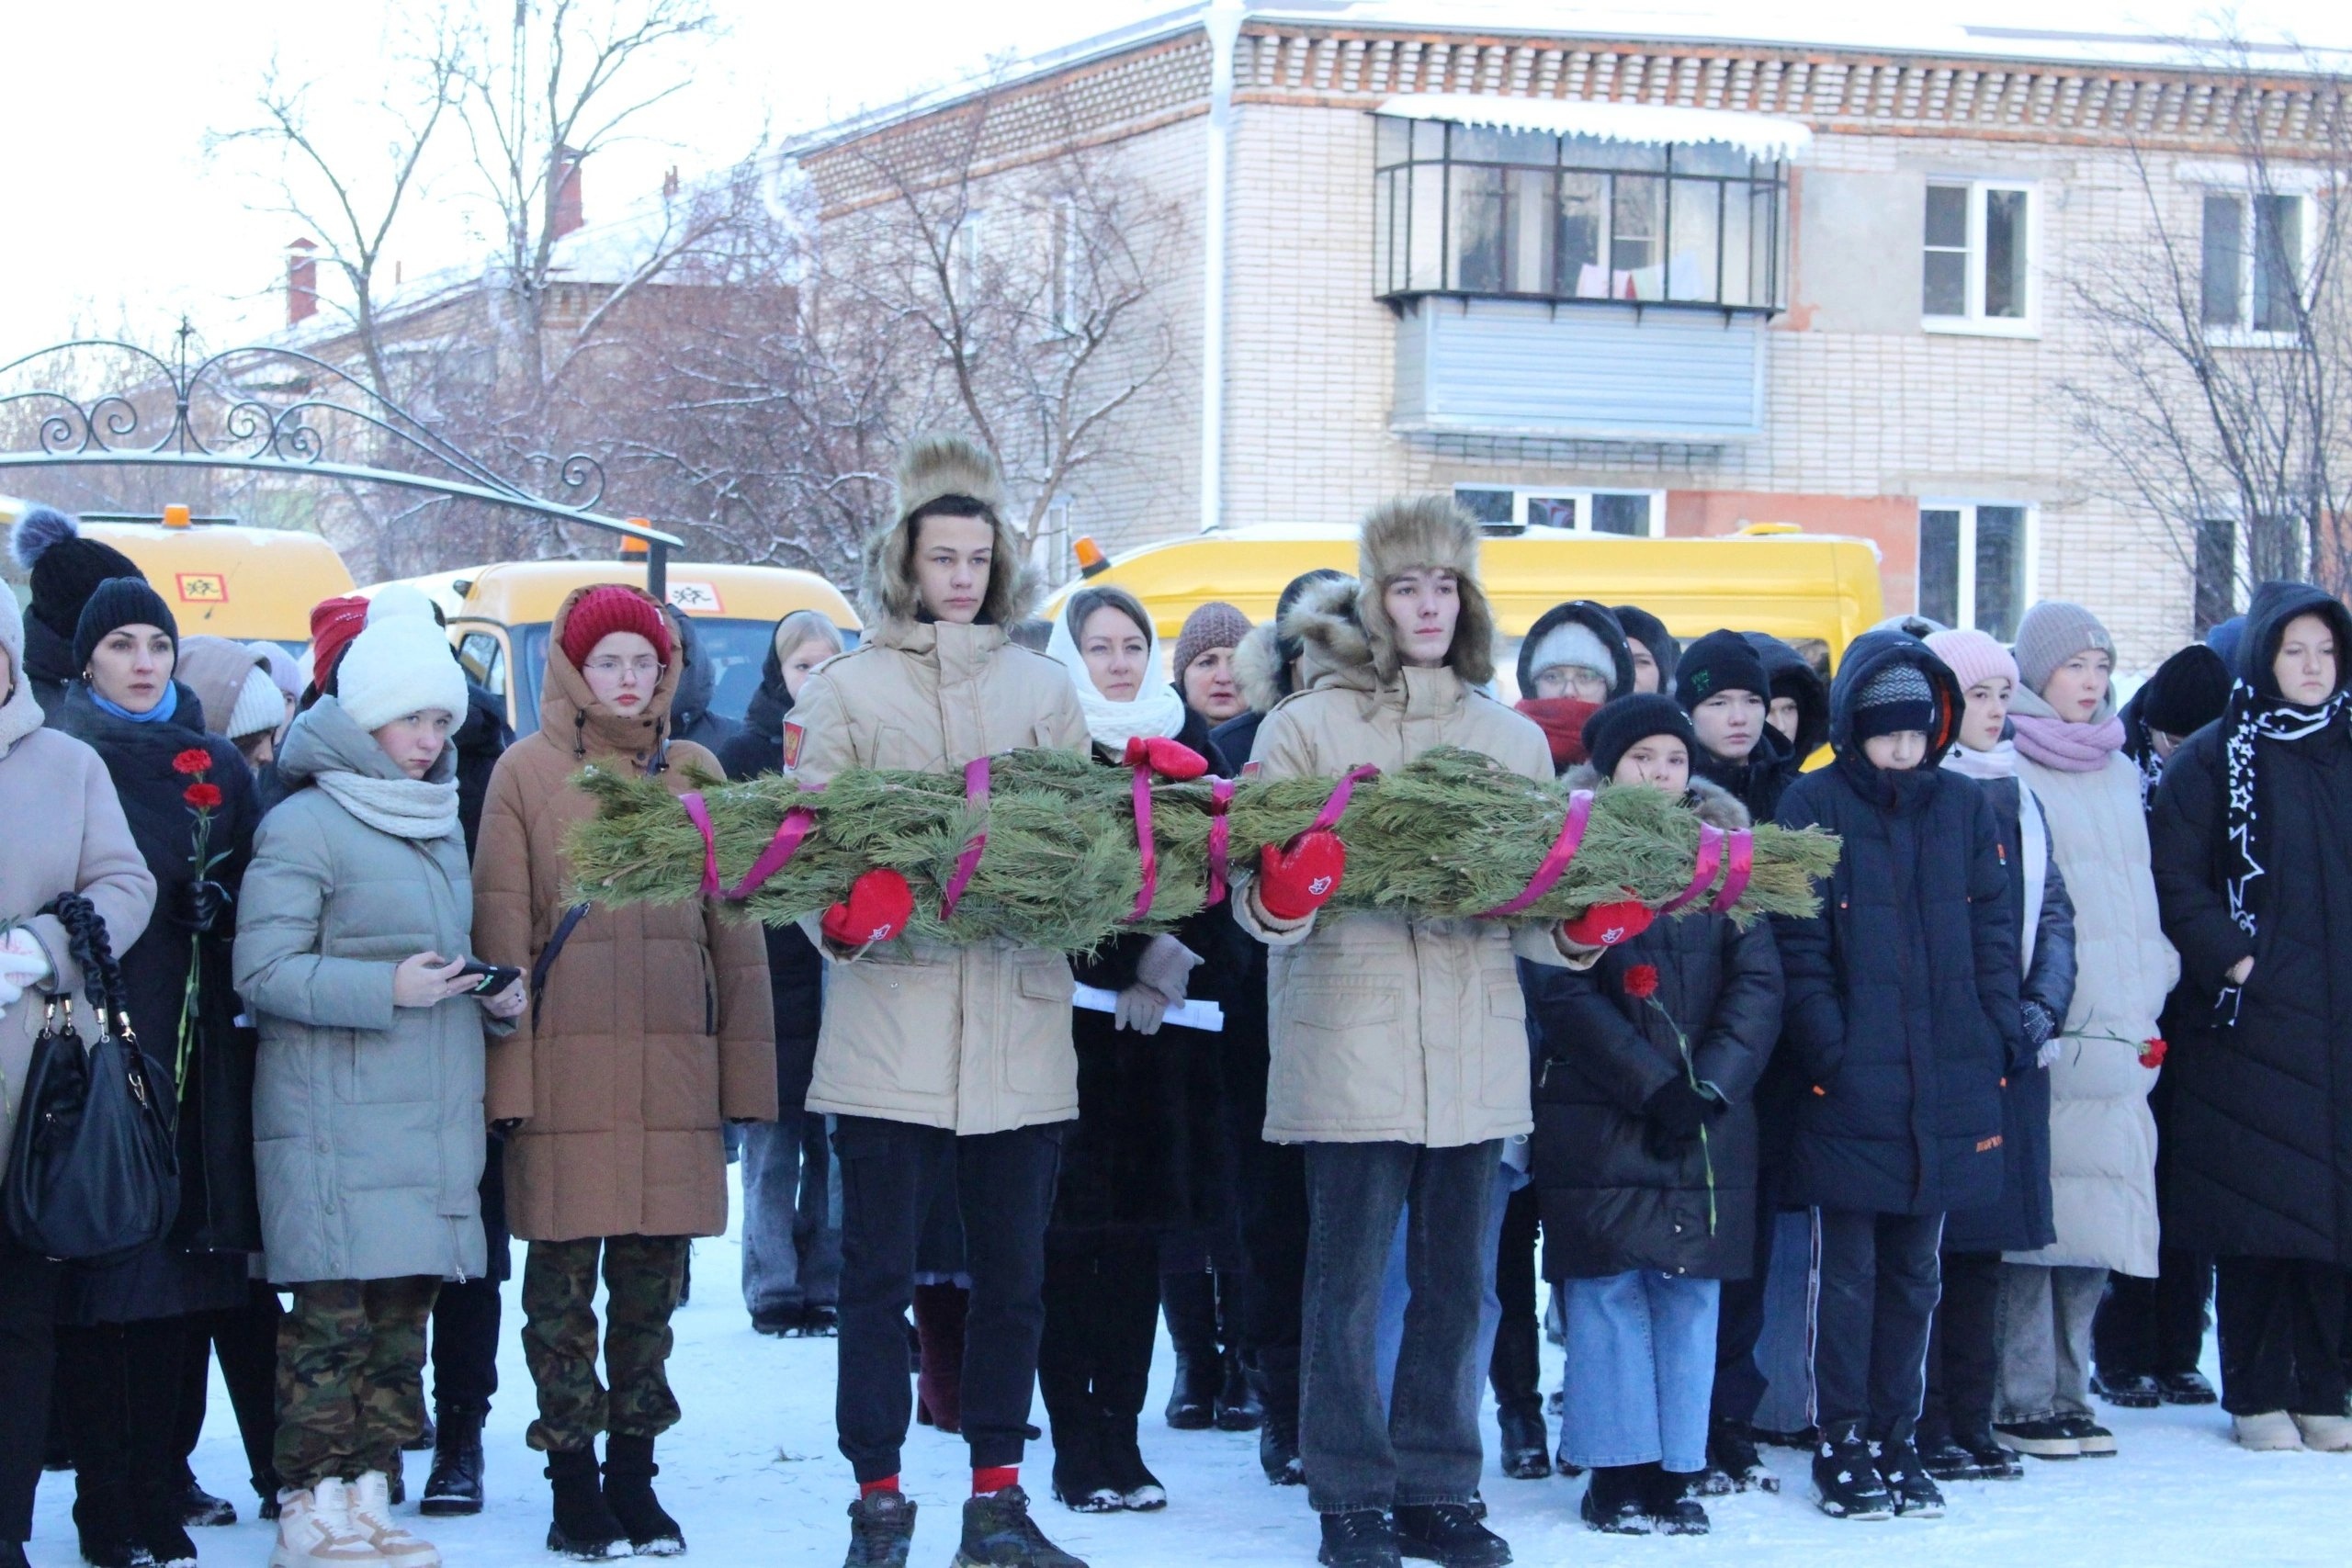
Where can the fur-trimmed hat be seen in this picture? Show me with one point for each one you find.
(934, 470)
(1418, 533)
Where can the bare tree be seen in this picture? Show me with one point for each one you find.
(2223, 394)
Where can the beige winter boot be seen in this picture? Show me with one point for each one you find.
(371, 1516)
(314, 1530)
(2272, 1431)
(2327, 1434)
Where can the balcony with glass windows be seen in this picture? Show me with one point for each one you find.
(1578, 269)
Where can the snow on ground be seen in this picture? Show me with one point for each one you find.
(753, 1475)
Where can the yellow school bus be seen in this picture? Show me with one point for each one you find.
(223, 579)
(499, 616)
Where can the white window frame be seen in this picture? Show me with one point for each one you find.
(1582, 495)
(2029, 591)
(1974, 322)
(2248, 335)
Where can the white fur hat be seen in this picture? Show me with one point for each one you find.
(401, 664)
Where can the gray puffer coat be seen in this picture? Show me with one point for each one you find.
(368, 1118)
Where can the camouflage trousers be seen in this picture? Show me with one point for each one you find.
(643, 1275)
(350, 1377)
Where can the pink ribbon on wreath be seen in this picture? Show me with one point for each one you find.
(1335, 803)
(1147, 852)
(1220, 837)
(1743, 866)
(1702, 874)
(1555, 860)
(789, 835)
(975, 794)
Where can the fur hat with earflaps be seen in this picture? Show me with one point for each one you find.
(1409, 534)
(950, 469)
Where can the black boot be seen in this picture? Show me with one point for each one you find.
(1082, 1475)
(1189, 1303)
(1732, 1456)
(1614, 1501)
(999, 1533)
(1139, 1490)
(200, 1509)
(1448, 1533)
(881, 1529)
(1845, 1474)
(1915, 1494)
(1527, 1443)
(1364, 1539)
(102, 1522)
(1674, 1501)
(629, 1471)
(1238, 1409)
(583, 1528)
(1273, 1375)
(155, 1525)
(454, 1487)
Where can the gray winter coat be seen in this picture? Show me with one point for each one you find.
(368, 1118)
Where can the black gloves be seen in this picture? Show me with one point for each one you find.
(203, 905)
(2038, 1024)
(1672, 1117)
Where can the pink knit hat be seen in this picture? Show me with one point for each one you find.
(1973, 656)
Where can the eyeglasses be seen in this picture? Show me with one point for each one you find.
(643, 665)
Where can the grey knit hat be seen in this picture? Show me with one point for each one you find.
(2052, 632)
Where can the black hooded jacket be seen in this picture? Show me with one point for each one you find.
(796, 971)
(1902, 1002)
(1596, 618)
(1793, 678)
(690, 715)
(1758, 781)
(2261, 1119)
(480, 741)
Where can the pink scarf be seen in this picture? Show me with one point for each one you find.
(2069, 748)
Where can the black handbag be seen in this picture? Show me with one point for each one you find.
(93, 1172)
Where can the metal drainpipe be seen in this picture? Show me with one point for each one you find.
(1222, 25)
(657, 570)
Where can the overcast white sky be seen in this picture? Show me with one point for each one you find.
(118, 216)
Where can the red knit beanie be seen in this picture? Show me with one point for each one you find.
(600, 612)
(333, 623)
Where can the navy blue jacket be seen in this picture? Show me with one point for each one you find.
(1902, 1006)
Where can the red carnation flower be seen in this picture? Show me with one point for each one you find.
(1641, 982)
(2152, 1051)
(203, 796)
(195, 760)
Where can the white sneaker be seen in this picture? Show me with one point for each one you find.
(371, 1516)
(2272, 1431)
(314, 1530)
(2327, 1434)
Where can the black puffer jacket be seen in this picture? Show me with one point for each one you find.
(691, 717)
(1902, 1007)
(2261, 1122)
(796, 970)
(480, 741)
(1608, 1204)
(2022, 1220)
(1757, 783)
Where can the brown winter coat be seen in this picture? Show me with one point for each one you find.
(66, 834)
(655, 1025)
(1384, 1029)
(977, 1038)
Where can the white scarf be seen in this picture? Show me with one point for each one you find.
(1158, 709)
(406, 808)
(2001, 762)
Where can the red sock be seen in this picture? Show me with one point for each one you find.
(868, 1488)
(994, 1478)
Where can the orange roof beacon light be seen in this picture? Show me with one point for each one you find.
(632, 547)
(1092, 561)
(176, 516)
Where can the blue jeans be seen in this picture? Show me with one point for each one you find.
(792, 1217)
(1394, 1293)
(1641, 1369)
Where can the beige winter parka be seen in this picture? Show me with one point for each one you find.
(1385, 1030)
(656, 1025)
(975, 1039)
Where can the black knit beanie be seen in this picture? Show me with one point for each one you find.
(1718, 662)
(63, 567)
(1898, 697)
(1651, 633)
(2187, 692)
(1618, 726)
(120, 601)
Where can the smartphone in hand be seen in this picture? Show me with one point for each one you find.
(493, 977)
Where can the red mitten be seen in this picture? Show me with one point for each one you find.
(1606, 925)
(1168, 758)
(878, 907)
(1295, 883)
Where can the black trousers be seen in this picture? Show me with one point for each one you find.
(1740, 1384)
(1003, 1183)
(465, 1345)
(1879, 1276)
(245, 1339)
(2149, 1327)
(2281, 1322)
(122, 1385)
(1102, 1317)
(28, 1361)
(1963, 1361)
(1513, 1370)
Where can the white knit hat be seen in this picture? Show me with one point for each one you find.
(1575, 645)
(399, 665)
(260, 705)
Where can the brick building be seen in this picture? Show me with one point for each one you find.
(1646, 280)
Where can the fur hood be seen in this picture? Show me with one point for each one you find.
(1717, 805)
(1257, 668)
(1332, 645)
(1406, 534)
(930, 468)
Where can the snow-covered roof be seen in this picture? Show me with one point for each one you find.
(1759, 136)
